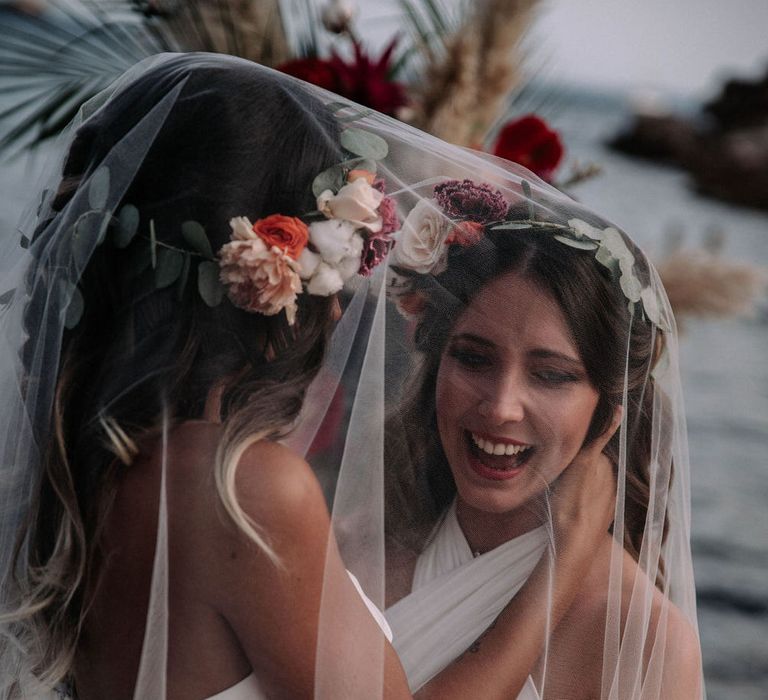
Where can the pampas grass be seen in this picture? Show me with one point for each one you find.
(466, 85)
(702, 284)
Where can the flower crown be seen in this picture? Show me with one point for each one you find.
(460, 213)
(268, 263)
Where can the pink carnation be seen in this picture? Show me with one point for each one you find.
(260, 279)
(375, 249)
(389, 219)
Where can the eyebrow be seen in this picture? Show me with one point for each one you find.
(540, 353)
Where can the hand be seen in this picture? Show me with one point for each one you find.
(584, 496)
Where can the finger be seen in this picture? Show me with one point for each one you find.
(599, 443)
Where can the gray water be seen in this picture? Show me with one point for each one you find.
(724, 375)
(725, 382)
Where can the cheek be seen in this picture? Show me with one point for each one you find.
(577, 417)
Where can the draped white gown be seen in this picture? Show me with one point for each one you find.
(455, 596)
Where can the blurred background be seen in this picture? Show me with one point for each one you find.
(655, 114)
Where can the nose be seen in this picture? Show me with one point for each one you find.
(503, 401)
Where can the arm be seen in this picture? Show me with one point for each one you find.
(275, 612)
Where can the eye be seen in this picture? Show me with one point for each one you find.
(555, 377)
(470, 359)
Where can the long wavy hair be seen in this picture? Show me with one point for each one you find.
(614, 345)
(239, 140)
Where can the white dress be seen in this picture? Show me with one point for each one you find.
(455, 597)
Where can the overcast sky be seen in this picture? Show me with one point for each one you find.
(686, 47)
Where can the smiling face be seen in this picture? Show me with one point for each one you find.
(513, 398)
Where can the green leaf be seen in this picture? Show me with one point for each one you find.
(82, 245)
(512, 226)
(208, 283)
(529, 199)
(25, 242)
(364, 143)
(194, 234)
(169, 266)
(106, 220)
(7, 297)
(98, 188)
(353, 112)
(581, 245)
(153, 243)
(604, 257)
(183, 277)
(330, 179)
(75, 307)
(127, 225)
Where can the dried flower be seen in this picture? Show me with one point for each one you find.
(260, 279)
(337, 15)
(530, 142)
(470, 201)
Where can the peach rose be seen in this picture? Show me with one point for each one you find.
(465, 233)
(260, 279)
(421, 247)
(358, 173)
(356, 202)
(285, 232)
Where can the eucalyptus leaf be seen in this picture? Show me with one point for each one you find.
(25, 242)
(127, 225)
(511, 226)
(106, 220)
(330, 179)
(353, 113)
(528, 199)
(194, 234)
(169, 266)
(138, 260)
(183, 277)
(82, 243)
(98, 188)
(153, 243)
(364, 143)
(581, 245)
(604, 257)
(208, 283)
(75, 308)
(631, 287)
(7, 297)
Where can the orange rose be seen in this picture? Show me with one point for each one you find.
(285, 232)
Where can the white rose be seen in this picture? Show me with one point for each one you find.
(325, 281)
(421, 245)
(332, 239)
(356, 202)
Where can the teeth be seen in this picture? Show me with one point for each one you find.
(499, 448)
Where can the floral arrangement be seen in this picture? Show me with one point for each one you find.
(459, 214)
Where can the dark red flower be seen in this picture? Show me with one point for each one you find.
(530, 142)
(317, 71)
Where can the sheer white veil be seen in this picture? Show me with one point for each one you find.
(453, 209)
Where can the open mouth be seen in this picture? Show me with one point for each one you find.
(496, 460)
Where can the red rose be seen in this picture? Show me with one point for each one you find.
(313, 70)
(286, 232)
(531, 143)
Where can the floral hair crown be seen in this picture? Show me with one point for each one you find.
(460, 213)
(268, 263)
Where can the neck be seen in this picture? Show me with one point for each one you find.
(485, 531)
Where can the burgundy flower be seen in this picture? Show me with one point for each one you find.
(317, 71)
(464, 199)
(389, 219)
(530, 142)
(375, 249)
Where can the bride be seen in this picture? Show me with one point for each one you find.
(538, 333)
(204, 272)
